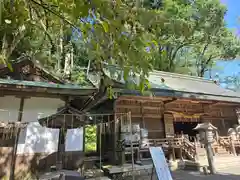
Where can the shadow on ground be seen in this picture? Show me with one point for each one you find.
(188, 175)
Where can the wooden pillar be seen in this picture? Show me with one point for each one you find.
(169, 127)
(84, 140)
(61, 148)
(114, 140)
(224, 126)
(196, 153)
(233, 146)
(181, 153)
(173, 153)
(142, 116)
(14, 150)
(98, 138)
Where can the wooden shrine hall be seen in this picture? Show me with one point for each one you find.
(175, 103)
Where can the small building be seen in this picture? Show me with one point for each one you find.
(24, 101)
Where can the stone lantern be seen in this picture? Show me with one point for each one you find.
(207, 132)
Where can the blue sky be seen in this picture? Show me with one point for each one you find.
(228, 68)
(233, 13)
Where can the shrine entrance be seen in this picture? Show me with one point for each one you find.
(185, 128)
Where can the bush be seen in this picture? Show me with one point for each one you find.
(90, 138)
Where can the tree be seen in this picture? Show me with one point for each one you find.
(44, 29)
(196, 36)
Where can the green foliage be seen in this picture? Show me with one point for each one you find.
(171, 35)
(90, 138)
(44, 29)
(195, 37)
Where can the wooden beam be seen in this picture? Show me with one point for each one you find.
(45, 90)
(144, 98)
(36, 94)
(142, 116)
(14, 150)
(169, 101)
(195, 101)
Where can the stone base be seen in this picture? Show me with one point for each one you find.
(191, 165)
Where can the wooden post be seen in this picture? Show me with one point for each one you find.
(98, 138)
(142, 116)
(132, 152)
(114, 138)
(84, 140)
(173, 153)
(14, 150)
(181, 153)
(181, 148)
(100, 142)
(233, 146)
(196, 153)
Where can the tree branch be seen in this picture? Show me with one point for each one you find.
(204, 66)
(45, 29)
(200, 61)
(53, 12)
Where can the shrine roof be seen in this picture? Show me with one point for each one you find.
(45, 87)
(176, 85)
(18, 64)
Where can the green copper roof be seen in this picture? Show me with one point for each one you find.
(42, 84)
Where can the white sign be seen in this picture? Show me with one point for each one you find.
(160, 163)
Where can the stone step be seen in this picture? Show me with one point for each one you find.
(100, 178)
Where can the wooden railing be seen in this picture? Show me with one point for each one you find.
(183, 144)
(224, 141)
(231, 145)
(165, 142)
(189, 148)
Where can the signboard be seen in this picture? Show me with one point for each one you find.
(160, 163)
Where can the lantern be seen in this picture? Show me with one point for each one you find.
(206, 132)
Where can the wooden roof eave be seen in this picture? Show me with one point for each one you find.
(51, 121)
(44, 90)
(179, 95)
(175, 112)
(196, 96)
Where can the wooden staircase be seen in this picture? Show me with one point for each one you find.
(195, 150)
(192, 150)
(189, 149)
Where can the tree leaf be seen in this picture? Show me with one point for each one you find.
(105, 26)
